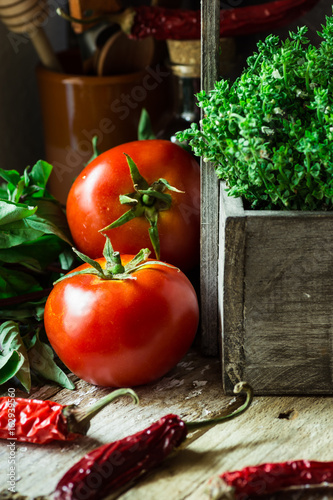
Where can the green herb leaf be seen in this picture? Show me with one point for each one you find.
(16, 233)
(34, 249)
(145, 129)
(29, 310)
(14, 282)
(10, 176)
(34, 255)
(10, 364)
(96, 151)
(14, 359)
(39, 176)
(42, 362)
(269, 133)
(12, 212)
(50, 219)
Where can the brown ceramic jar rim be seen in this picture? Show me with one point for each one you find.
(76, 77)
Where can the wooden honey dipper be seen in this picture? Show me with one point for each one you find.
(27, 16)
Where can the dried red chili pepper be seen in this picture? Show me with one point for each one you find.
(269, 478)
(180, 24)
(113, 465)
(163, 23)
(36, 421)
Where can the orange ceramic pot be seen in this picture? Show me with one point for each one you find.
(76, 107)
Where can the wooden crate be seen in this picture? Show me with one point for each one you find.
(276, 299)
(266, 278)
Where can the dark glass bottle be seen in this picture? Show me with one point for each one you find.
(185, 64)
(185, 86)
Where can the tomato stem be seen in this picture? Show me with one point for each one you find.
(113, 260)
(145, 201)
(114, 269)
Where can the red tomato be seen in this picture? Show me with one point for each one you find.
(93, 202)
(122, 333)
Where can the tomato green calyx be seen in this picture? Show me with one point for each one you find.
(146, 201)
(114, 269)
(78, 420)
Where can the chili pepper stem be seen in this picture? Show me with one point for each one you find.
(240, 387)
(219, 490)
(79, 419)
(124, 19)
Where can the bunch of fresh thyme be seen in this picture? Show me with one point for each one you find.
(269, 134)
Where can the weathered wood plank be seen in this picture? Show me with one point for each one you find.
(231, 288)
(183, 391)
(276, 285)
(256, 437)
(288, 298)
(210, 15)
(273, 429)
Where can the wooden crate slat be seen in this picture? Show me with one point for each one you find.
(210, 15)
(231, 289)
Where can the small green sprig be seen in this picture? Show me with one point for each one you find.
(269, 134)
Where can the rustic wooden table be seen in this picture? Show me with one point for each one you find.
(272, 429)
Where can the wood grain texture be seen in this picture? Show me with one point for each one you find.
(277, 282)
(231, 288)
(288, 298)
(210, 14)
(273, 429)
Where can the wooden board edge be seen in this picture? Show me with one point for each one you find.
(231, 299)
(210, 18)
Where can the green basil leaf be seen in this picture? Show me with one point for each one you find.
(11, 212)
(11, 176)
(66, 259)
(26, 175)
(39, 176)
(14, 282)
(11, 342)
(41, 359)
(17, 255)
(29, 310)
(9, 365)
(95, 150)
(145, 130)
(18, 232)
(51, 219)
(34, 255)
(18, 191)
(3, 192)
(46, 227)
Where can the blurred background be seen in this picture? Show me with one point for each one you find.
(21, 130)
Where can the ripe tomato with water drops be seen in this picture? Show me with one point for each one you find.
(157, 183)
(121, 324)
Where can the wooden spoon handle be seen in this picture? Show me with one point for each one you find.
(27, 16)
(44, 50)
